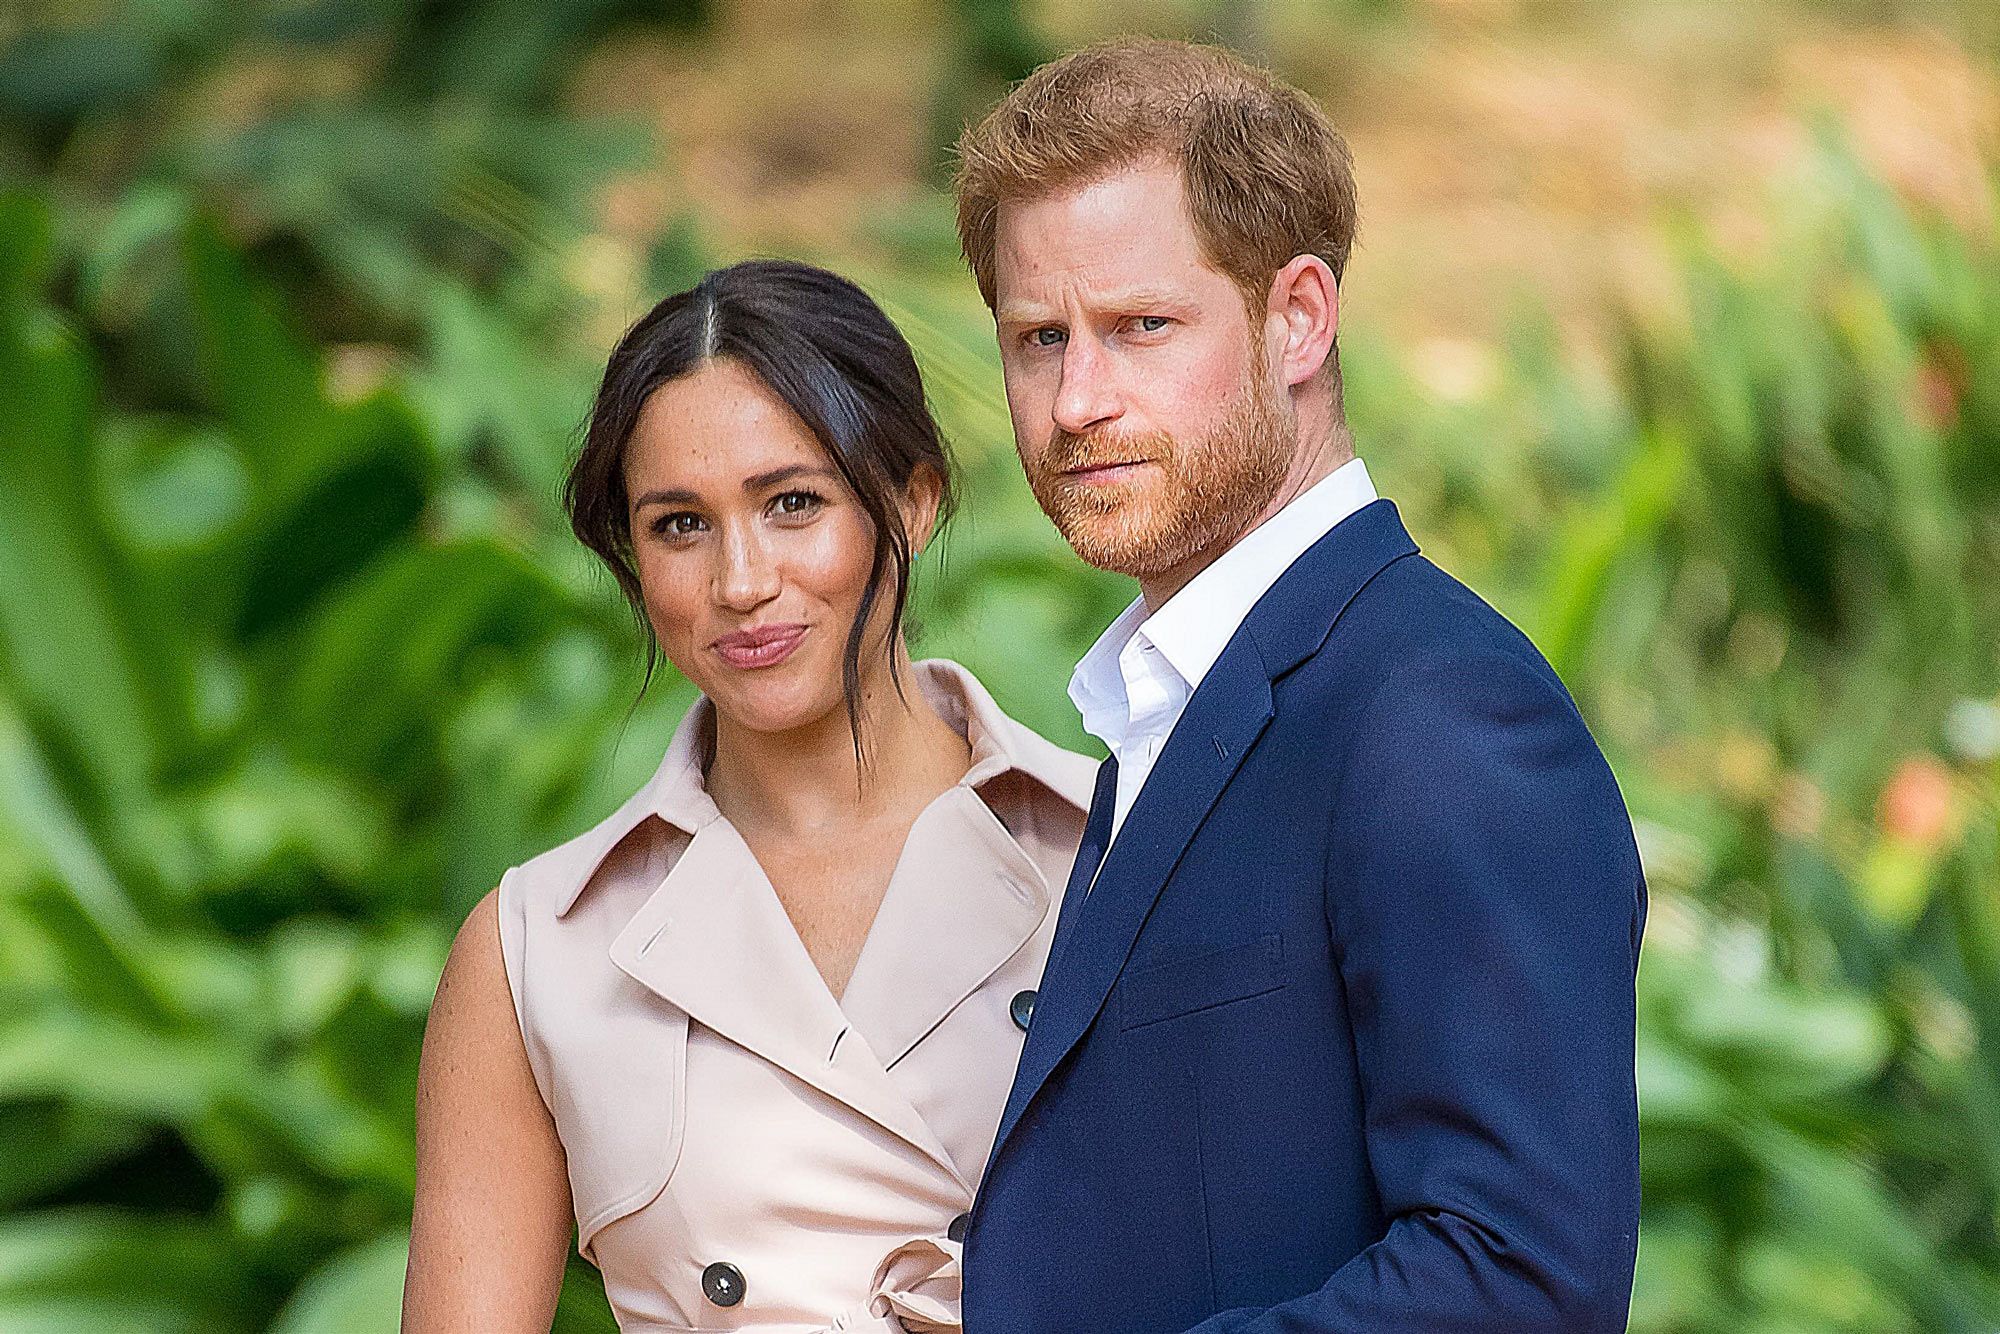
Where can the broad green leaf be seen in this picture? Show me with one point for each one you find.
(376, 664)
(103, 1268)
(365, 496)
(64, 644)
(262, 378)
(357, 1292)
(314, 966)
(1594, 541)
(1787, 1043)
(49, 1144)
(58, 838)
(117, 1069)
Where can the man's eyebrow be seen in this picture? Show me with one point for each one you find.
(1128, 301)
(754, 482)
(1143, 298)
(1022, 314)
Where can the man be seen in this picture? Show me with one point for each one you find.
(1338, 1029)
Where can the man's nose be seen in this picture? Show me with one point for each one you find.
(1087, 396)
(746, 576)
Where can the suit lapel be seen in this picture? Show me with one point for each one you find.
(1227, 713)
(1223, 720)
(1096, 831)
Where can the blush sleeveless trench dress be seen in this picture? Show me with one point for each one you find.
(746, 1152)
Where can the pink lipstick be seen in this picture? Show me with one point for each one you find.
(759, 646)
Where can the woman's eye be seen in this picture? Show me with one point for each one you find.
(678, 524)
(797, 502)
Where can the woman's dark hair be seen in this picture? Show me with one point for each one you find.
(825, 348)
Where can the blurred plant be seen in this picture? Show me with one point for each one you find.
(280, 686)
(238, 792)
(1778, 617)
(296, 324)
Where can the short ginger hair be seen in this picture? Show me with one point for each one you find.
(1267, 177)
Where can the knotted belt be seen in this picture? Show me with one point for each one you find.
(916, 1291)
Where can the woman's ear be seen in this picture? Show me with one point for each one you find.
(921, 498)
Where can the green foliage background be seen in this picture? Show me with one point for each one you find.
(296, 655)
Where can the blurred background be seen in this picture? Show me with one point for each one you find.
(1674, 327)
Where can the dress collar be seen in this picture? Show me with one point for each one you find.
(678, 794)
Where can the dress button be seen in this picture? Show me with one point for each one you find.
(1022, 1007)
(956, 1232)
(722, 1282)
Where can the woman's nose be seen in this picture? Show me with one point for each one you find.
(745, 577)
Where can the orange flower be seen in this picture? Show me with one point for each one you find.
(1916, 806)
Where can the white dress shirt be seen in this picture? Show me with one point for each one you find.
(1133, 684)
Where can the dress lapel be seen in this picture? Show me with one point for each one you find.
(963, 900)
(689, 943)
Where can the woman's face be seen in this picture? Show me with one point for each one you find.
(752, 551)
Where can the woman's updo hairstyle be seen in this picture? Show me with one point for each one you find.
(824, 347)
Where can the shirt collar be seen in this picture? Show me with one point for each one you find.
(1097, 686)
(1197, 623)
(678, 794)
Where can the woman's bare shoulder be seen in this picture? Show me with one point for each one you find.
(472, 1016)
(491, 1226)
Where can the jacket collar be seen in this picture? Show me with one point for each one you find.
(1224, 719)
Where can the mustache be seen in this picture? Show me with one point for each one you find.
(1069, 453)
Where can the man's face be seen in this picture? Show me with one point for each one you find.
(1148, 415)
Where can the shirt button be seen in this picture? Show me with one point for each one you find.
(722, 1283)
(956, 1232)
(1022, 1008)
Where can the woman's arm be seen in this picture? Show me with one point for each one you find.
(491, 1230)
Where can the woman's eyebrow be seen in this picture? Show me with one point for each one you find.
(774, 476)
(754, 482)
(665, 497)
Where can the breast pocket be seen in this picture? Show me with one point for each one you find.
(1168, 989)
(621, 1112)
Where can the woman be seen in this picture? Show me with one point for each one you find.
(753, 1032)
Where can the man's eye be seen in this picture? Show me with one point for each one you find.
(798, 502)
(680, 523)
(1046, 337)
(1152, 323)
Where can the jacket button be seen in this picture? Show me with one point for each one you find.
(1022, 1007)
(956, 1232)
(722, 1283)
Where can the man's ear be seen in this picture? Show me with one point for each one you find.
(1302, 314)
(921, 498)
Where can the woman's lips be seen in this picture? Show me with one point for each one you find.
(765, 646)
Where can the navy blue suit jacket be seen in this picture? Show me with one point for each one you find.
(1342, 1038)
